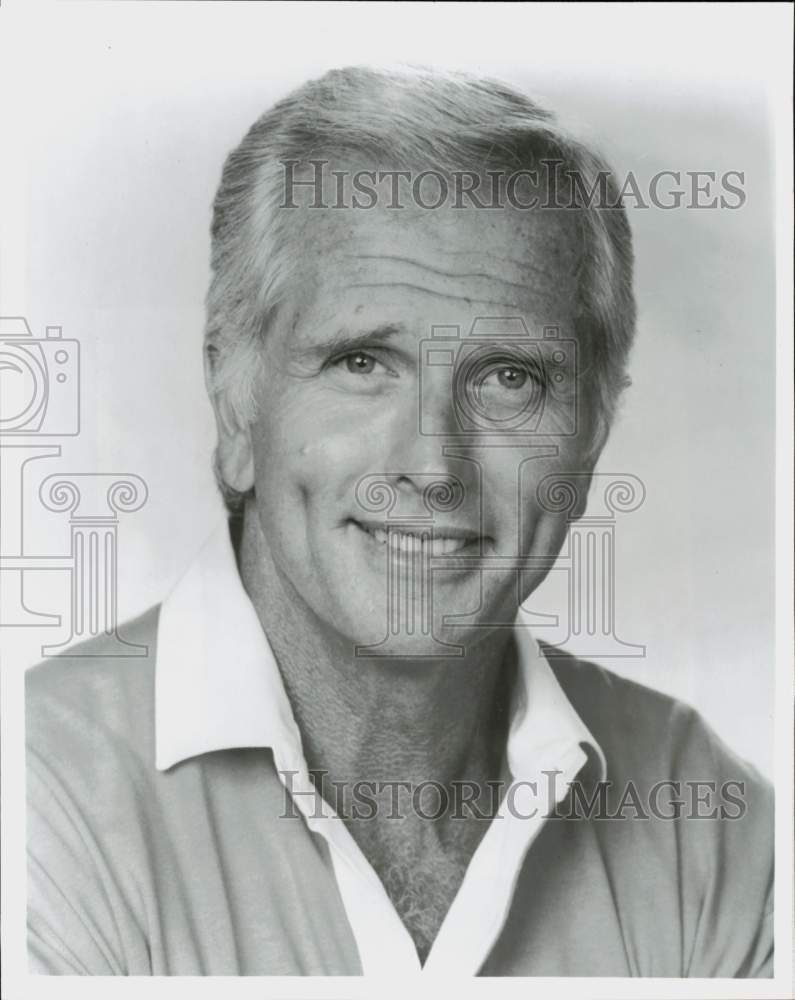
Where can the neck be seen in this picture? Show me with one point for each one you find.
(379, 719)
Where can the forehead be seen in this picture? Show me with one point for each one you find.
(422, 266)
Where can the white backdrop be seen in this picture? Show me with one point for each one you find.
(130, 113)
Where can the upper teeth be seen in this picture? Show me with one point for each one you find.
(407, 541)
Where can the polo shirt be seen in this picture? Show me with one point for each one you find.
(173, 828)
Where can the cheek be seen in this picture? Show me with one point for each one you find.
(527, 501)
(310, 462)
(555, 492)
(512, 482)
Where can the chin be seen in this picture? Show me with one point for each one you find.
(376, 635)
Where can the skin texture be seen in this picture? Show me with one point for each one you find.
(330, 414)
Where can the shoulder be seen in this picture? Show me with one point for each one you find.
(698, 835)
(89, 757)
(666, 764)
(619, 708)
(643, 732)
(91, 700)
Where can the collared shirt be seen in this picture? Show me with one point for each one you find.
(160, 842)
(225, 691)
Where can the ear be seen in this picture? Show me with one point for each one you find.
(235, 455)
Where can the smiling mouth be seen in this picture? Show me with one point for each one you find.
(434, 541)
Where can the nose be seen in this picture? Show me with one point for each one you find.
(416, 457)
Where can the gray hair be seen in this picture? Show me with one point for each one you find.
(425, 120)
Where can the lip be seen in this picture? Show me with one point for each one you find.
(439, 540)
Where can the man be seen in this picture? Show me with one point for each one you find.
(345, 752)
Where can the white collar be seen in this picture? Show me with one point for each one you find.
(218, 687)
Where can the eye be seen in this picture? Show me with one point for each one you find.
(498, 374)
(362, 371)
(502, 388)
(359, 363)
(511, 377)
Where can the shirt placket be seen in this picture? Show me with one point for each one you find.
(479, 910)
(384, 944)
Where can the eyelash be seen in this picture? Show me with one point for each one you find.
(524, 367)
(497, 364)
(340, 359)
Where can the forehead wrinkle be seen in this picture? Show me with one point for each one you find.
(519, 264)
(433, 292)
(450, 274)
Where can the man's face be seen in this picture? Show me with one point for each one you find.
(350, 397)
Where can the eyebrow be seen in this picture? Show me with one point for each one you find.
(343, 340)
